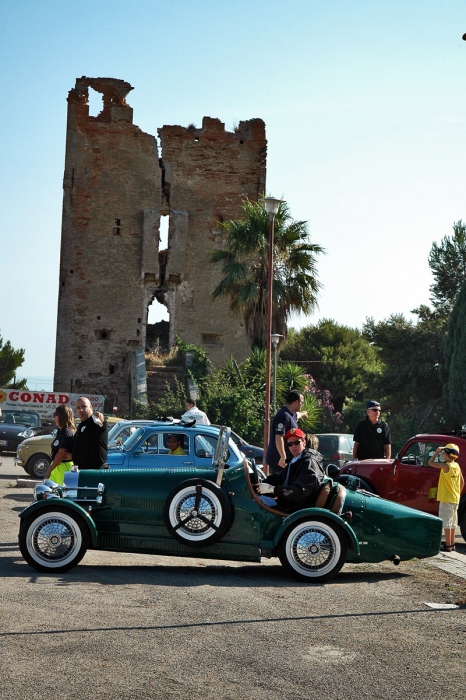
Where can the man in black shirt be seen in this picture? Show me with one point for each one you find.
(285, 419)
(90, 440)
(372, 438)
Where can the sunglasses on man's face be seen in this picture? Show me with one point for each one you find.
(295, 442)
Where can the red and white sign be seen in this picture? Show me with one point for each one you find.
(44, 402)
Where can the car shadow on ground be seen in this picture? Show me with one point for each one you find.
(19, 497)
(182, 576)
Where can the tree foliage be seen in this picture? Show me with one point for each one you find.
(199, 364)
(411, 354)
(234, 395)
(448, 264)
(340, 359)
(10, 360)
(244, 269)
(455, 362)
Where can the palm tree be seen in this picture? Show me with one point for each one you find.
(244, 268)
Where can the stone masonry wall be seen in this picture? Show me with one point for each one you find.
(111, 268)
(207, 172)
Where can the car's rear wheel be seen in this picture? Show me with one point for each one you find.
(38, 465)
(312, 550)
(198, 513)
(55, 539)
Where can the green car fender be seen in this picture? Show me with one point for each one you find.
(321, 514)
(70, 505)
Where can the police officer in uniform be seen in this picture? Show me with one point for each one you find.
(372, 439)
(91, 437)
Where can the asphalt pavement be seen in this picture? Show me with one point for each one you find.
(129, 626)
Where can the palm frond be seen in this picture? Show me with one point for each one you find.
(244, 268)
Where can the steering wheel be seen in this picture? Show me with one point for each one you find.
(411, 459)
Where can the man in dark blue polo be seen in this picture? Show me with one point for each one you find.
(285, 419)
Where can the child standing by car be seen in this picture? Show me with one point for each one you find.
(450, 485)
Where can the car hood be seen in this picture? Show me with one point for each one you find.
(355, 463)
(39, 440)
(12, 428)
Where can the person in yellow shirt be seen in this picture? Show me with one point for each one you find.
(450, 485)
(174, 445)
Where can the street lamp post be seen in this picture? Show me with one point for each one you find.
(271, 207)
(275, 337)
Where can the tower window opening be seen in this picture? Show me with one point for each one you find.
(95, 102)
(163, 232)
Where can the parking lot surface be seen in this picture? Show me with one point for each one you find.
(129, 626)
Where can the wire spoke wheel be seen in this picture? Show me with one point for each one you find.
(53, 540)
(313, 550)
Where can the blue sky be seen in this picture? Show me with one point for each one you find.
(365, 110)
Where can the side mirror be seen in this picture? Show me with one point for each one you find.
(46, 423)
(332, 471)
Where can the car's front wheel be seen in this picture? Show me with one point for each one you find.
(54, 540)
(312, 550)
(38, 465)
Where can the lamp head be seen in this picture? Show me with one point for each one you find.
(271, 205)
(275, 339)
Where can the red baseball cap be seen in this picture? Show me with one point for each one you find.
(295, 432)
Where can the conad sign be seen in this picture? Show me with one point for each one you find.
(43, 402)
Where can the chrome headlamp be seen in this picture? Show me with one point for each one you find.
(47, 489)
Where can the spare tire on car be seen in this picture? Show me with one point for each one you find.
(198, 513)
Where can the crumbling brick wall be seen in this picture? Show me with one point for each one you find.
(115, 190)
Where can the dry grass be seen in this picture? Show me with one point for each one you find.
(162, 359)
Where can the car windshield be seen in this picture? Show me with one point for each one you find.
(419, 453)
(328, 444)
(131, 441)
(119, 435)
(114, 430)
(31, 420)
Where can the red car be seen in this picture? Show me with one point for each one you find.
(408, 479)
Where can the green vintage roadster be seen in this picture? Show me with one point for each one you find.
(215, 513)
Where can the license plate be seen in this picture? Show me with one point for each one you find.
(4, 443)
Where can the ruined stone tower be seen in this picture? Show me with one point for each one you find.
(116, 188)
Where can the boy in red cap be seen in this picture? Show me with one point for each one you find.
(296, 485)
(450, 485)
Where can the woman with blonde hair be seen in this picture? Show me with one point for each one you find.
(62, 444)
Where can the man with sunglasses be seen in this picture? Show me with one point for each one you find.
(297, 485)
(372, 439)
